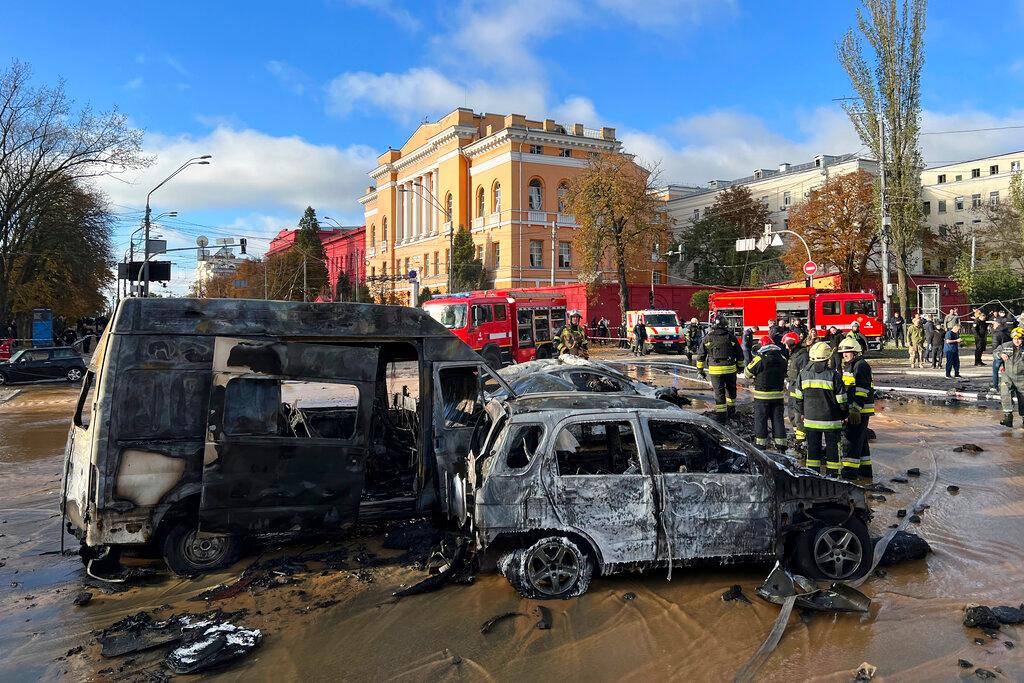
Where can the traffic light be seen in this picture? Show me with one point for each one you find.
(241, 244)
(650, 298)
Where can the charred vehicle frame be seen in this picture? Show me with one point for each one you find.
(569, 485)
(204, 422)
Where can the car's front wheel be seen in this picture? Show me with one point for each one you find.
(836, 547)
(3, 379)
(187, 553)
(73, 375)
(553, 567)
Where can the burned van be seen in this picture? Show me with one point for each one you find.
(204, 422)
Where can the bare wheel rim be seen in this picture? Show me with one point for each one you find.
(204, 551)
(74, 375)
(838, 552)
(552, 567)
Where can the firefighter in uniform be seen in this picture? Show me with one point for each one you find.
(572, 339)
(719, 355)
(768, 370)
(821, 400)
(1011, 375)
(797, 361)
(861, 396)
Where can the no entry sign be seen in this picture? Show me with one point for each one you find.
(810, 268)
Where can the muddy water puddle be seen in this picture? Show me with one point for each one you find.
(674, 629)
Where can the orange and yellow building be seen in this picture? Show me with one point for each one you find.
(504, 178)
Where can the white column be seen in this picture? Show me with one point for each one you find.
(431, 208)
(416, 202)
(407, 223)
(396, 224)
(424, 206)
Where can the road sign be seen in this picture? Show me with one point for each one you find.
(412, 274)
(746, 245)
(810, 268)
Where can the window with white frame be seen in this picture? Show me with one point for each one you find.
(993, 169)
(942, 206)
(536, 149)
(497, 197)
(975, 201)
(563, 190)
(564, 255)
(448, 207)
(1015, 166)
(993, 199)
(565, 152)
(480, 201)
(786, 200)
(959, 203)
(975, 172)
(536, 253)
(496, 255)
(536, 190)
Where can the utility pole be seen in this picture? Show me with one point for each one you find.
(265, 297)
(974, 249)
(554, 237)
(305, 295)
(886, 313)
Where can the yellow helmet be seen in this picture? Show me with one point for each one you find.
(820, 351)
(1017, 332)
(849, 345)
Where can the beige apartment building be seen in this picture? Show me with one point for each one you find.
(960, 194)
(502, 176)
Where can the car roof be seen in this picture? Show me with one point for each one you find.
(582, 401)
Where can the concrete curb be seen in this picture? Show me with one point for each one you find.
(5, 396)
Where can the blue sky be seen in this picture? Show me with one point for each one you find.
(295, 100)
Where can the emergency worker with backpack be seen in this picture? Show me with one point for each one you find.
(768, 370)
(719, 356)
(822, 402)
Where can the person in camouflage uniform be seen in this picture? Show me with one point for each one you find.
(572, 339)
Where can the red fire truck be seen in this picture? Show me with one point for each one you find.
(757, 308)
(503, 326)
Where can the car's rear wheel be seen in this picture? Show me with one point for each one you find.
(73, 375)
(836, 547)
(187, 553)
(553, 567)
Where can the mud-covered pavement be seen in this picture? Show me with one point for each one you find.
(336, 617)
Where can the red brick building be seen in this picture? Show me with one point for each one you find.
(344, 251)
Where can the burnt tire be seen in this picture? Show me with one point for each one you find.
(836, 547)
(554, 567)
(187, 554)
(543, 351)
(493, 358)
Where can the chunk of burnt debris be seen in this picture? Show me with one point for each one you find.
(878, 487)
(544, 623)
(983, 673)
(628, 597)
(964, 664)
(969, 448)
(139, 632)
(458, 570)
(980, 616)
(877, 497)
(954, 489)
(212, 645)
(899, 480)
(914, 472)
(735, 593)
(865, 672)
(489, 625)
(1009, 615)
(915, 519)
(904, 546)
(83, 598)
(901, 513)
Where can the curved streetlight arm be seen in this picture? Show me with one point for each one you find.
(799, 237)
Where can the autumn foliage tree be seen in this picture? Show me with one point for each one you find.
(620, 220)
(839, 222)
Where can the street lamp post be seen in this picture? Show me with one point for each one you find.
(448, 219)
(194, 161)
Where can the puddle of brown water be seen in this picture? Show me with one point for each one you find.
(673, 629)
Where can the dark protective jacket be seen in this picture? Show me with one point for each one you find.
(768, 370)
(797, 362)
(640, 332)
(860, 388)
(821, 397)
(720, 353)
(1001, 334)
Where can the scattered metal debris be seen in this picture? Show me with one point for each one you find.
(210, 646)
(901, 513)
(735, 593)
(915, 519)
(1009, 615)
(544, 624)
(839, 597)
(628, 597)
(494, 621)
(904, 546)
(914, 472)
(879, 487)
(980, 616)
(458, 570)
(954, 489)
(899, 480)
(865, 672)
(969, 448)
(83, 598)
(984, 673)
(964, 664)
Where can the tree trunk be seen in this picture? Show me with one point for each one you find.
(901, 280)
(620, 271)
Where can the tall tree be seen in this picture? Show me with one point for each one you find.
(708, 244)
(839, 220)
(888, 84)
(467, 270)
(309, 247)
(621, 220)
(46, 148)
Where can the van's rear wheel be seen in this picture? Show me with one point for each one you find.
(187, 553)
(837, 547)
(553, 567)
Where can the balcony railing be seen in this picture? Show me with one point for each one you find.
(371, 251)
(537, 216)
(478, 222)
(566, 219)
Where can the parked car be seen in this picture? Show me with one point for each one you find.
(570, 373)
(564, 487)
(44, 364)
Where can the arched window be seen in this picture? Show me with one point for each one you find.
(449, 215)
(373, 235)
(497, 197)
(536, 195)
(563, 189)
(384, 230)
(480, 202)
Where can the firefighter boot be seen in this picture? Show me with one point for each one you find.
(864, 472)
(1007, 420)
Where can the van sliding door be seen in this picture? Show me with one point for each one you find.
(287, 436)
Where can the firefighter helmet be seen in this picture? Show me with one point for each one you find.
(849, 345)
(694, 321)
(791, 339)
(765, 340)
(720, 322)
(820, 351)
(575, 314)
(1017, 332)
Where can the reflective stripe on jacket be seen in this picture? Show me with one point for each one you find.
(821, 397)
(768, 370)
(719, 353)
(861, 390)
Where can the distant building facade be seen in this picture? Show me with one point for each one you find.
(504, 177)
(214, 262)
(344, 252)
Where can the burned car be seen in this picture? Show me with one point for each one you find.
(566, 486)
(202, 423)
(571, 373)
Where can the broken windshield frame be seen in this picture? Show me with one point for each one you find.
(452, 316)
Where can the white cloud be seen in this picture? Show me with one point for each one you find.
(423, 92)
(950, 147)
(287, 75)
(399, 15)
(577, 109)
(172, 61)
(662, 15)
(134, 84)
(250, 170)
